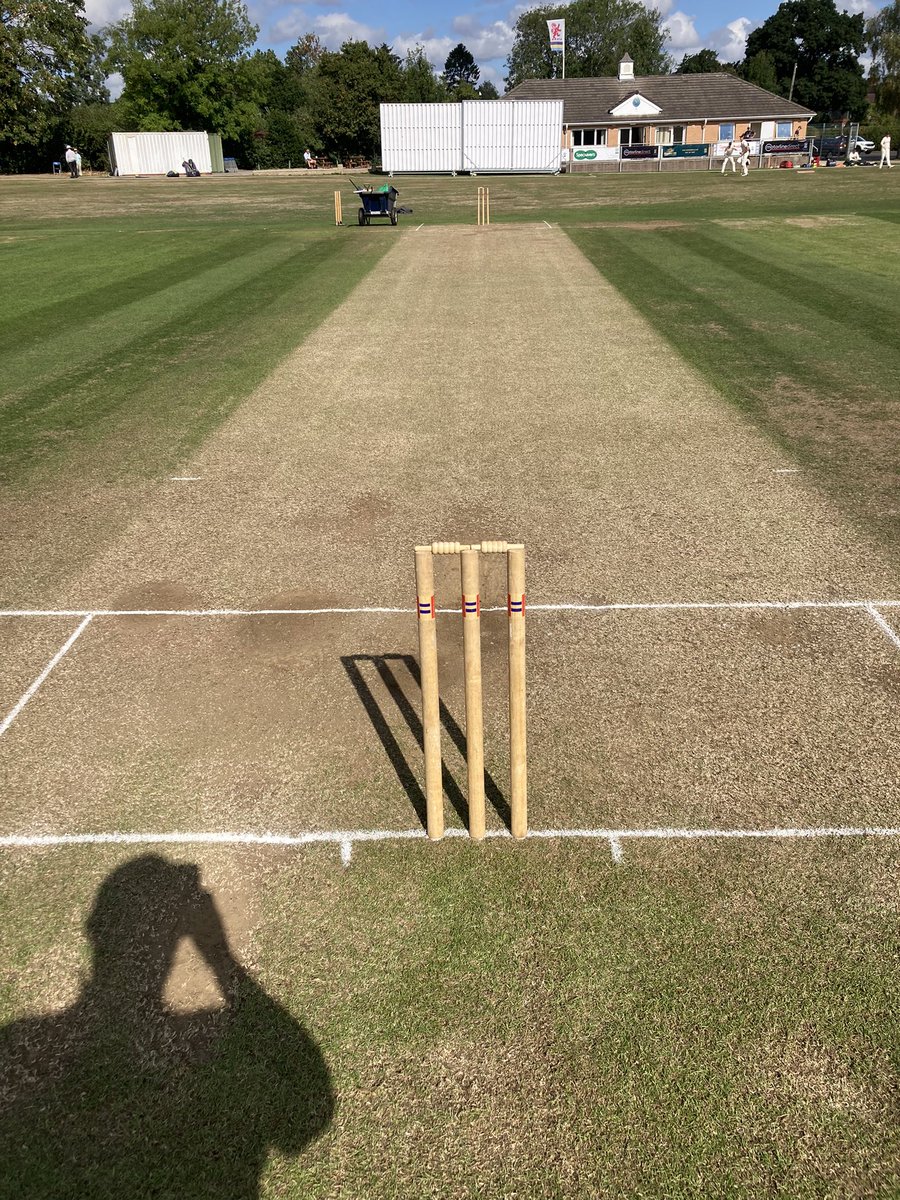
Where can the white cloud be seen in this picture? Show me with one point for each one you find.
(116, 85)
(436, 48)
(486, 41)
(332, 28)
(682, 33)
(866, 7)
(730, 41)
(103, 12)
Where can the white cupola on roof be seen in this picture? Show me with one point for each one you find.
(626, 67)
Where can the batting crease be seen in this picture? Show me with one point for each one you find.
(51, 665)
(883, 625)
(870, 606)
(346, 839)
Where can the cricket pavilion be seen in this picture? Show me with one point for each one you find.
(658, 122)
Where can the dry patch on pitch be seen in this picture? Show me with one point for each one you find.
(295, 722)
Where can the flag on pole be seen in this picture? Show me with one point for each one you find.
(557, 34)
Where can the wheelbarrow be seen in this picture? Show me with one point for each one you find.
(381, 203)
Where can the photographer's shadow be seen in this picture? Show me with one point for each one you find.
(119, 1095)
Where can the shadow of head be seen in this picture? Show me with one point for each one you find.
(119, 1086)
(143, 910)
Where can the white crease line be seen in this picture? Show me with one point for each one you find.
(622, 606)
(883, 625)
(347, 838)
(547, 223)
(184, 478)
(418, 227)
(615, 847)
(57, 658)
(703, 605)
(202, 612)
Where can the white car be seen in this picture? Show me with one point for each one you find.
(864, 146)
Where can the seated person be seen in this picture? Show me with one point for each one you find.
(309, 160)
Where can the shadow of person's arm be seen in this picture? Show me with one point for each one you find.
(280, 1064)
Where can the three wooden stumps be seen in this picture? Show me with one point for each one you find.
(483, 214)
(431, 703)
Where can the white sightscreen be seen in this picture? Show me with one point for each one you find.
(477, 135)
(158, 153)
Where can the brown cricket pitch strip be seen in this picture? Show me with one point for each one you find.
(479, 383)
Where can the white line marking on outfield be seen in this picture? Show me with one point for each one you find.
(547, 223)
(184, 478)
(786, 471)
(346, 838)
(883, 625)
(621, 606)
(418, 227)
(57, 658)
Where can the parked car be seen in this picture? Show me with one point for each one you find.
(864, 145)
(830, 147)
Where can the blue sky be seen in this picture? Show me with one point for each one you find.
(485, 26)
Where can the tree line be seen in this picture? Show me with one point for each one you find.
(195, 66)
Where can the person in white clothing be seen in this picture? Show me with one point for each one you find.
(745, 154)
(70, 162)
(77, 163)
(885, 151)
(730, 156)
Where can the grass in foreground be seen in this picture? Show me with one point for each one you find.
(509, 1021)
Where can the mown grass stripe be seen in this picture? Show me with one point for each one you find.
(45, 313)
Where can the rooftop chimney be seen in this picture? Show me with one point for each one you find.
(626, 68)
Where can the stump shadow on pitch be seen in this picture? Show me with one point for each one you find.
(391, 670)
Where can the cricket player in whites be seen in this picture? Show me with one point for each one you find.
(885, 151)
(745, 154)
(729, 157)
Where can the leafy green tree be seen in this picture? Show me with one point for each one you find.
(883, 35)
(184, 64)
(89, 126)
(346, 91)
(278, 126)
(598, 34)
(420, 84)
(704, 62)
(275, 86)
(460, 69)
(760, 69)
(487, 91)
(303, 57)
(90, 86)
(44, 58)
(825, 44)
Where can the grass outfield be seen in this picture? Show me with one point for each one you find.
(621, 1016)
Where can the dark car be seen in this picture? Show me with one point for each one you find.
(830, 147)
